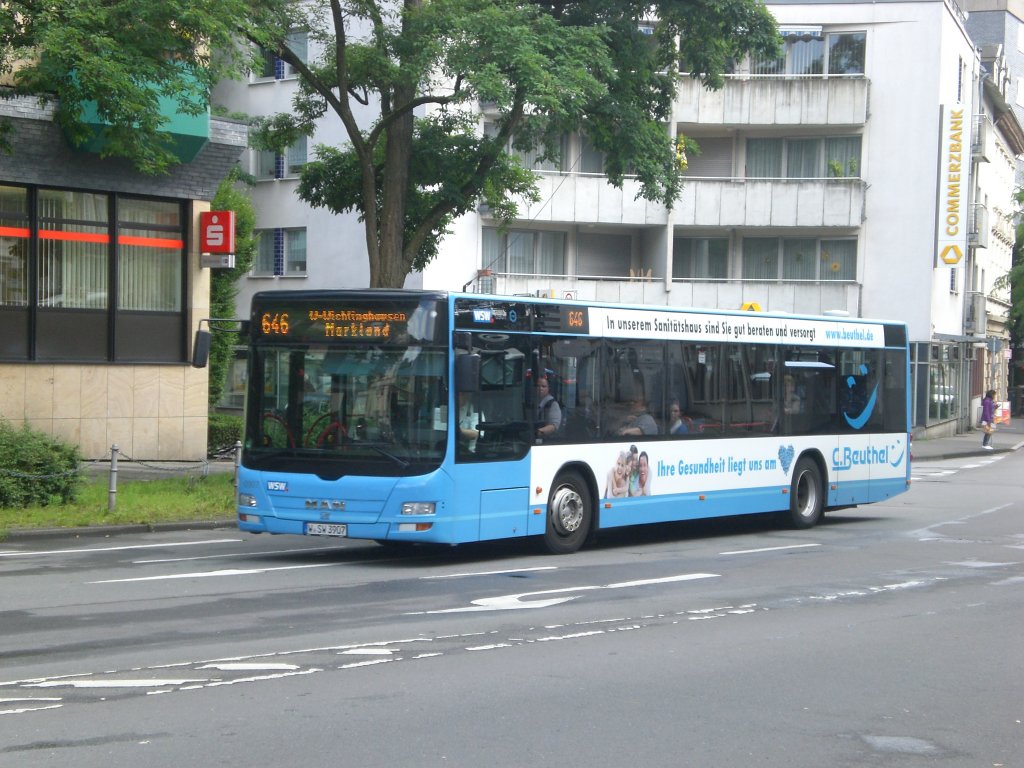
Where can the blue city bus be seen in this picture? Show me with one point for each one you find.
(415, 416)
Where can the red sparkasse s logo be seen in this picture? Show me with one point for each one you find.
(217, 232)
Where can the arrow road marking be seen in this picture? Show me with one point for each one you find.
(516, 601)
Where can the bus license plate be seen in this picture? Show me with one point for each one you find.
(326, 529)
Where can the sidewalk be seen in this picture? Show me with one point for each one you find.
(1008, 437)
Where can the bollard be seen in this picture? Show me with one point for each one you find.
(112, 488)
(238, 463)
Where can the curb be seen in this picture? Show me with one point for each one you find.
(967, 454)
(102, 531)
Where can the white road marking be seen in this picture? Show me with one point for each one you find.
(209, 574)
(120, 549)
(368, 652)
(233, 554)
(445, 644)
(982, 564)
(767, 549)
(23, 710)
(233, 667)
(357, 664)
(928, 534)
(515, 602)
(139, 683)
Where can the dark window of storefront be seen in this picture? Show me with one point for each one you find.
(88, 276)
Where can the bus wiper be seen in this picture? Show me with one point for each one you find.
(402, 463)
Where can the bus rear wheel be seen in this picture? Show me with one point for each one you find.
(806, 495)
(569, 516)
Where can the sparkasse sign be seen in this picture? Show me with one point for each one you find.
(217, 232)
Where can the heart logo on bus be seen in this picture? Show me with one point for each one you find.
(786, 457)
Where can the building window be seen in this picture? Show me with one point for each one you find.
(591, 158)
(812, 53)
(810, 158)
(524, 251)
(149, 256)
(13, 247)
(14, 272)
(74, 242)
(266, 163)
(281, 252)
(799, 259)
(270, 165)
(846, 53)
(150, 277)
(700, 258)
(531, 158)
(602, 254)
(273, 68)
(108, 277)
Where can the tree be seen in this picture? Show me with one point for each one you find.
(405, 78)
(1013, 281)
(123, 56)
(230, 196)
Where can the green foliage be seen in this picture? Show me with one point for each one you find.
(547, 69)
(231, 196)
(404, 79)
(124, 56)
(223, 431)
(36, 469)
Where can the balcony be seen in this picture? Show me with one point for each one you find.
(976, 316)
(977, 234)
(983, 140)
(771, 203)
(798, 297)
(590, 199)
(749, 100)
(705, 202)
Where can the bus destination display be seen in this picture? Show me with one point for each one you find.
(321, 323)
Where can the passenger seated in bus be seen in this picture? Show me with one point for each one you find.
(678, 424)
(792, 398)
(549, 413)
(469, 419)
(639, 421)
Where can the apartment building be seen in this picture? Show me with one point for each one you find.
(997, 27)
(842, 177)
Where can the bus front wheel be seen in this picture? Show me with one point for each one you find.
(806, 495)
(570, 515)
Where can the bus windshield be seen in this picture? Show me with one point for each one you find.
(351, 409)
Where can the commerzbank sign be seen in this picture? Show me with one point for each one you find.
(954, 177)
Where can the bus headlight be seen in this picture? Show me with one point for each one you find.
(418, 508)
(246, 500)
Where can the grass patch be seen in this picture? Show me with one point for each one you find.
(171, 500)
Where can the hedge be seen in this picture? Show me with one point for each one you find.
(36, 469)
(222, 432)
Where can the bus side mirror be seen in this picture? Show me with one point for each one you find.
(467, 372)
(201, 349)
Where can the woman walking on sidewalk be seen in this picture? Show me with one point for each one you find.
(988, 415)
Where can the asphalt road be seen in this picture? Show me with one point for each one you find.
(887, 636)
